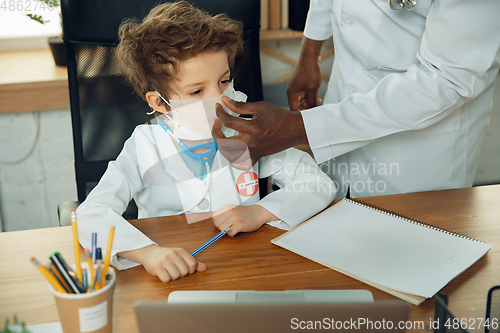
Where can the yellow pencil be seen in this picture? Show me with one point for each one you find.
(76, 246)
(48, 276)
(108, 255)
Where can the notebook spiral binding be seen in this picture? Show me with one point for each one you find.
(409, 219)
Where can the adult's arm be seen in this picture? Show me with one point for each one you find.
(302, 89)
(306, 78)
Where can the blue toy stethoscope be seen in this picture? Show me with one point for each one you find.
(402, 4)
(200, 157)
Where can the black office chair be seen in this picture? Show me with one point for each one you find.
(104, 108)
(444, 320)
(493, 311)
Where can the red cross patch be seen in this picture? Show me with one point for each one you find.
(247, 184)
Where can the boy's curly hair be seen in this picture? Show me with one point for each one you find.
(149, 51)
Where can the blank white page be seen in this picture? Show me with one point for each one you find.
(384, 249)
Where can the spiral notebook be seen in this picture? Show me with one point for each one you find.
(396, 254)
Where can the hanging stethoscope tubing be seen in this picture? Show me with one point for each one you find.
(402, 4)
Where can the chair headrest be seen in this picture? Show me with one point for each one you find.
(97, 21)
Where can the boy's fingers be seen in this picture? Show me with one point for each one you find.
(219, 219)
(201, 267)
(173, 271)
(189, 261)
(163, 275)
(234, 230)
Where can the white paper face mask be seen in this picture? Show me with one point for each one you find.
(193, 119)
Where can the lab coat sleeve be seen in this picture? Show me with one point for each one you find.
(106, 203)
(456, 63)
(304, 189)
(319, 20)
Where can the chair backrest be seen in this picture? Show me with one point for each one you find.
(493, 311)
(104, 108)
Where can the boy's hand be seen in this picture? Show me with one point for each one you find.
(241, 218)
(166, 263)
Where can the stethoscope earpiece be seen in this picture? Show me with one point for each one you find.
(402, 4)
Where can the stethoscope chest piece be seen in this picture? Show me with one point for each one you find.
(402, 4)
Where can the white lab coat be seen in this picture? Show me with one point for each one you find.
(410, 93)
(150, 170)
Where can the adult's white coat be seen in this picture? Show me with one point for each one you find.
(409, 97)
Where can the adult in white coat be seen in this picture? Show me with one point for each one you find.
(408, 100)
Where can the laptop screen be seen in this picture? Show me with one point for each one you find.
(161, 316)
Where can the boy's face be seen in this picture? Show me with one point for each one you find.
(204, 76)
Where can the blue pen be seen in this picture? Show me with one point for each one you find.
(211, 241)
(94, 247)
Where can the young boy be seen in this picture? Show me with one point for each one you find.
(179, 59)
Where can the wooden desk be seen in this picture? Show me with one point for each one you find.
(251, 262)
(30, 81)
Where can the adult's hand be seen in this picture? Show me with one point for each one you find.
(302, 89)
(270, 130)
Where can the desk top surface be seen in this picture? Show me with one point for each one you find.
(30, 81)
(30, 66)
(250, 261)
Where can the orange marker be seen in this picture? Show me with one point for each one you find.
(76, 246)
(58, 276)
(108, 255)
(48, 276)
(98, 272)
(91, 268)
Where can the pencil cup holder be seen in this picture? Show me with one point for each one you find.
(87, 312)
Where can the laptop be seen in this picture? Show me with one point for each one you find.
(286, 311)
(251, 296)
